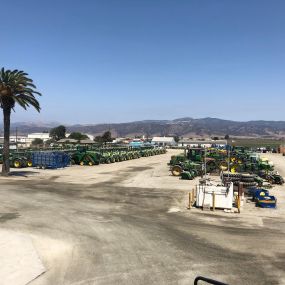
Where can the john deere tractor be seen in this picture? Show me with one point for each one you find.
(194, 160)
(20, 159)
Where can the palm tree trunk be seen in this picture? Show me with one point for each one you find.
(6, 145)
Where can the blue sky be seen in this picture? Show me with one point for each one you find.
(124, 60)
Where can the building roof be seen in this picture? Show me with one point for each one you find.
(87, 141)
(188, 141)
(32, 135)
(67, 140)
(163, 139)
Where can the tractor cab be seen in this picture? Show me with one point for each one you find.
(196, 154)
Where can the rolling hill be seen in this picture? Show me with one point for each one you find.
(186, 127)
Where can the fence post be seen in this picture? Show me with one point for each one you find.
(189, 200)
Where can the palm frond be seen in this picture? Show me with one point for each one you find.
(17, 87)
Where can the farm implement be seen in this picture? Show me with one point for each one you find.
(262, 198)
(237, 166)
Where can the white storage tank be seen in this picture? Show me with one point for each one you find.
(223, 196)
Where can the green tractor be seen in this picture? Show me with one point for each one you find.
(20, 159)
(195, 169)
(195, 159)
(176, 159)
(86, 158)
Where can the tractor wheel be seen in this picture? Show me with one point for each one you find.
(24, 162)
(90, 163)
(223, 166)
(17, 163)
(247, 179)
(176, 170)
(29, 163)
(211, 166)
(249, 184)
(247, 176)
(278, 180)
(81, 163)
(234, 168)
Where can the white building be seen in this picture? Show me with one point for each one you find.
(163, 141)
(12, 144)
(18, 139)
(32, 136)
(42, 136)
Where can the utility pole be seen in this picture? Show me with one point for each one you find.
(17, 139)
(229, 159)
(205, 161)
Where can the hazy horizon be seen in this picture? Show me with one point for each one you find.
(121, 61)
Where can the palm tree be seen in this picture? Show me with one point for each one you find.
(15, 87)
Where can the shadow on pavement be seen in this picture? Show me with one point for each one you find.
(24, 173)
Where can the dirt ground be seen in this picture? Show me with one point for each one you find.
(128, 223)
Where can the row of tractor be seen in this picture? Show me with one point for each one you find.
(238, 165)
(80, 156)
(85, 156)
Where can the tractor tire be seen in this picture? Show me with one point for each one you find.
(232, 179)
(195, 173)
(278, 180)
(17, 163)
(247, 179)
(176, 170)
(223, 165)
(247, 176)
(231, 175)
(29, 163)
(234, 168)
(211, 166)
(249, 184)
(81, 163)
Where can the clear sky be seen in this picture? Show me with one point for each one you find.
(122, 60)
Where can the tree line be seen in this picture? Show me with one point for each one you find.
(59, 133)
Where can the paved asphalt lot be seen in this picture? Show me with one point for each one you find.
(115, 231)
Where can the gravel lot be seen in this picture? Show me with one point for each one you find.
(127, 223)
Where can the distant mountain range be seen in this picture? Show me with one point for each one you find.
(186, 127)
